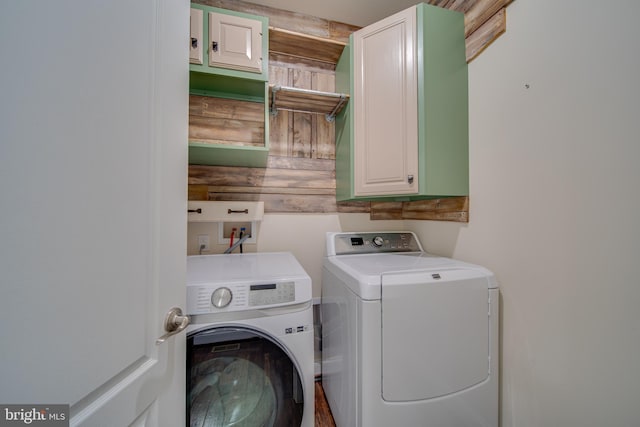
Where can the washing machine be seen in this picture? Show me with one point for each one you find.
(250, 356)
(408, 338)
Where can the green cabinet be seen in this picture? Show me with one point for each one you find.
(404, 135)
(229, 61)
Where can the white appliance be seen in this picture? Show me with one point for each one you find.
(250, 356)
(408, 339)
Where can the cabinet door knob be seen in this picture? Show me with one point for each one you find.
(410, 179)
(214, 46)
(194, 42)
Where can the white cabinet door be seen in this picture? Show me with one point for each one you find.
(385, 109)
(196, 42)
(93, 169)
(235, 42)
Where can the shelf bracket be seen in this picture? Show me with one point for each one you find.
(330, 117)
(273, 109)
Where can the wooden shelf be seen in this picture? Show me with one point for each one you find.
(306, 101)
(304, 46)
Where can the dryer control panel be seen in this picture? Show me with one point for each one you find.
(372, 242)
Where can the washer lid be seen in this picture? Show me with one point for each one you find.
(363, 273)
(248, 267)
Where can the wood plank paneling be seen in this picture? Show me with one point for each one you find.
(324, 138)
(226, 121)
(290, 177)
(486, 34)
(286, 185)
(297, 134)
(481, 12)
(317, 48)
(459, 5)
(280, 131)
(354, 207)
(386, 210)
(447, 209)
(301, 78)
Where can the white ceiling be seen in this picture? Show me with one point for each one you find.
(355, 12)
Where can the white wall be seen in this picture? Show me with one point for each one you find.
(301, 234)
(554, 209)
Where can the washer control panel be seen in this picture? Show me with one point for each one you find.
(373, 242)
(210, 298)
(271, 293)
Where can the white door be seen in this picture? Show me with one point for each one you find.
(385, 112)
(93, 168)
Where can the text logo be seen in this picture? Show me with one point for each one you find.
(36, 415)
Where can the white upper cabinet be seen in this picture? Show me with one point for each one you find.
(404, 134)
(196, 40)
(235, 42)
(385, 110)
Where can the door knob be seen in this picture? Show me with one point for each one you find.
(174, 323)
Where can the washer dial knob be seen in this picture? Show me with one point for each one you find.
(378, 241)
(221, 297)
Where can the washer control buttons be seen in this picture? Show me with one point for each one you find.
(272, 293)
(378, 241)
(221, 297)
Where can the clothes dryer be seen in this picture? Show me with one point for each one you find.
(250, 356)
(408, 339)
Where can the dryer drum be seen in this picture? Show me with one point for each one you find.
(240, 377)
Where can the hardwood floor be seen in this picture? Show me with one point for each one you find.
(323, 412)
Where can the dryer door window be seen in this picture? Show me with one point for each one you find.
(239, 376)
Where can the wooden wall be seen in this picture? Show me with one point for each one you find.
(300, 175)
